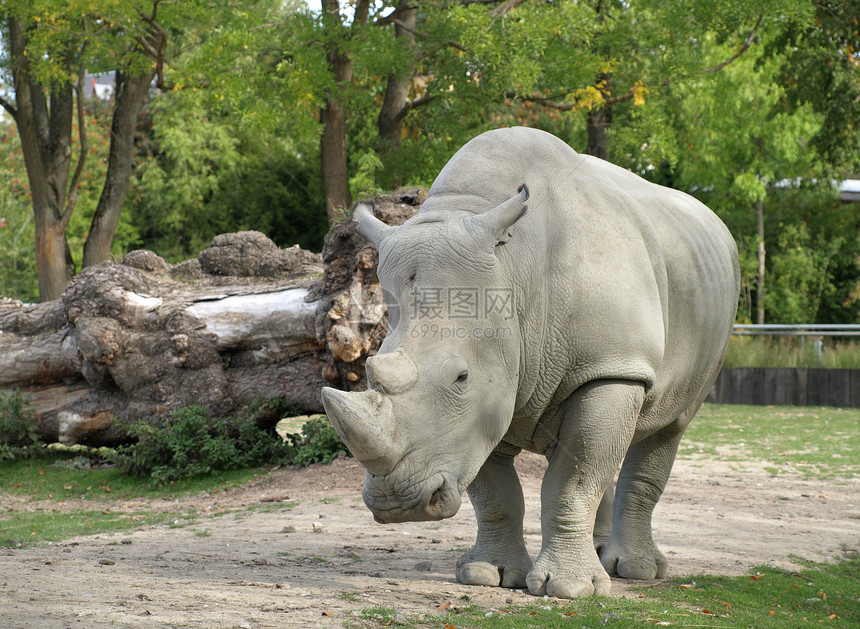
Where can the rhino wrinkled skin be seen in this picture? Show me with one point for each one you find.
(552, 302)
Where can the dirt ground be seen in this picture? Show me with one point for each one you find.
(299, 549)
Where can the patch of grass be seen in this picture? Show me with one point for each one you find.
(270, 507)
(384, 615)
(767, 599)
(818, 593)
(819, 442)
(792, 351)
(57, 476)
(35, 527)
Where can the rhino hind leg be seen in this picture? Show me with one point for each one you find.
(499, 556)
(597, 425)
(603, 521)
(631, 552)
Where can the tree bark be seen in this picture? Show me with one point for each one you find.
(598, 124)
(333, 147)
(130, 94)
(760, 254)
(45, 130)
(396, 104)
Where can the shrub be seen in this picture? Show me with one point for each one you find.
(317, 443)
(192, 444)
(18, 436)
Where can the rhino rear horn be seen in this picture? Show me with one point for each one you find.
(368, 225)
(365, 422)
(497, 224)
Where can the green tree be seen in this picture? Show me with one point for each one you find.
(234, 144)
(49, 47)
(743, 147)
(16, 221)
(202, 172)
(821, 68)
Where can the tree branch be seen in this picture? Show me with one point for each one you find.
(156, 49)
(564, 106)
(505, 8)
(423, 100)
(740, 51)
(362, 12)
(409, 29)
(82, 134)
(8, 106)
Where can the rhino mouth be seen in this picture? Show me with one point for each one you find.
(439, 499)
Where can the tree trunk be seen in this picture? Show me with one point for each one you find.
(53, 258)
(395, 105)
(760, 290)
(130, 94)
(45, 130)
(599, 120)
(333, 148)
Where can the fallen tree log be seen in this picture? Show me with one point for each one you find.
(243, 323)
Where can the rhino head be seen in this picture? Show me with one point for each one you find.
(442, 388)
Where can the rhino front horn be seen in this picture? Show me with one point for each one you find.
(365, 422)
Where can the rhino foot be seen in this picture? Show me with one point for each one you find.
(568, 583)
(483, 573)
(482, 568)
(645, 563)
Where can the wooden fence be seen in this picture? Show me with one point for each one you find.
(787, 385)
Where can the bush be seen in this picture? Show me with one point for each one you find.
(193, 444)
(18, 436)
(317, 443)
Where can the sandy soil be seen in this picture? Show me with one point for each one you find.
(299, 549)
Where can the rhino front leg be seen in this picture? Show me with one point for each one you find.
(499, 556)
(597, 425)
(631, 552)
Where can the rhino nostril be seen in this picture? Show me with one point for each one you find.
(438, 498)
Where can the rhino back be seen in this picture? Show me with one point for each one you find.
(614, 277)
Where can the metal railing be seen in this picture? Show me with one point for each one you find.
(796, 329)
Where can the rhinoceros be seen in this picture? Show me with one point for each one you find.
(588, 329)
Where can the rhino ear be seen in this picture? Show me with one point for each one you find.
(368, 225)
(497, 225)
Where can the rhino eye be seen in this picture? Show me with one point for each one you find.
(463, 376)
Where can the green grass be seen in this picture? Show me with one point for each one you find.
(819, 442)
(62, 476)
(59, 476)
(818, 595)
(791, 351)
(33, 527)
